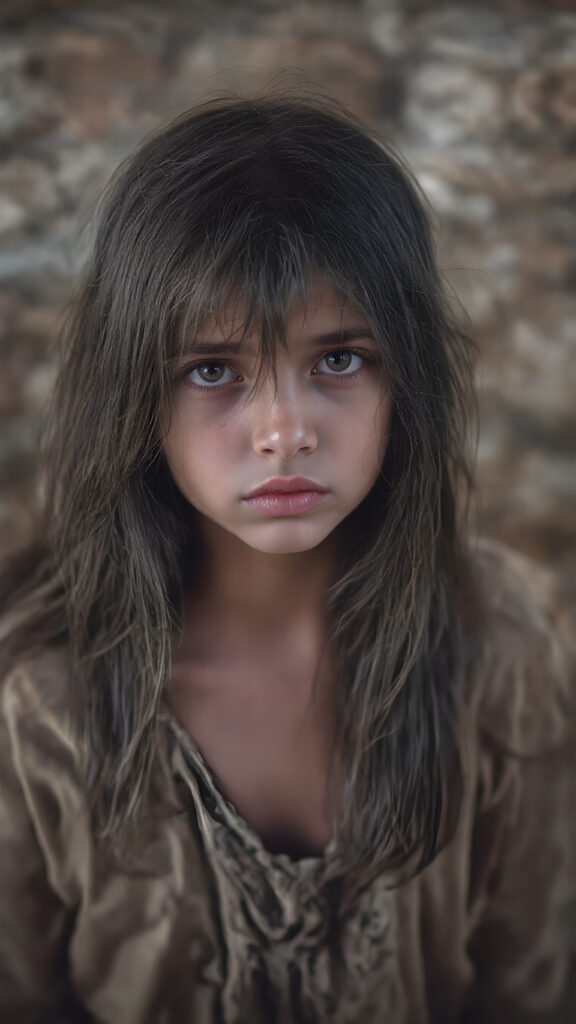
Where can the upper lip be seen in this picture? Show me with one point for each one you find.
(285, 485)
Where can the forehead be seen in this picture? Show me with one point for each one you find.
(319, 309)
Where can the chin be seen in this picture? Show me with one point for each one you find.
(286, 545)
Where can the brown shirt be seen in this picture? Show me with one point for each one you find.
(206, 926)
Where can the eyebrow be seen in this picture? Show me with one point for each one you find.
(338, 337)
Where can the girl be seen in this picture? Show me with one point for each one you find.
(280, 744)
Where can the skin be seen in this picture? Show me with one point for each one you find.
(251, 679)
(327, 419)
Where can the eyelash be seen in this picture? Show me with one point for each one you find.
(364, 354)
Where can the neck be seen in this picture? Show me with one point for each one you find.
(259, 591)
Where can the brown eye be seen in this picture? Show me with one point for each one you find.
(341, 363)
(209, 376)
(211, 373)
(339, 360)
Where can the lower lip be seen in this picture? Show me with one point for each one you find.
(286, 503)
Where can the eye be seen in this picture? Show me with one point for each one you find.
(341, 362)
(210, 374)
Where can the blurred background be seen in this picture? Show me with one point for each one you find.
(481, 97)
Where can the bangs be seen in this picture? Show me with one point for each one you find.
(247, 286)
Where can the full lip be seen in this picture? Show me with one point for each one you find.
(285, 485)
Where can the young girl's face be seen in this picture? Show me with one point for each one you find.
(324, 420)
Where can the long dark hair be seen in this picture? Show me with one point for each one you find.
(251, 198)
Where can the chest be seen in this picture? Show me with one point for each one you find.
(267, 745)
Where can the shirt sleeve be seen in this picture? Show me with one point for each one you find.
(36, 906)
(523, 848)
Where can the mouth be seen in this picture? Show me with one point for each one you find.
(280, 485)
(286, 496)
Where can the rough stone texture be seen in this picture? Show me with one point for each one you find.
(482, 99)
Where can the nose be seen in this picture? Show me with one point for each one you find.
(282, 422)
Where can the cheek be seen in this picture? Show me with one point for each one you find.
(367, 434)
(181, 445)
(384, 422)
(199, 454)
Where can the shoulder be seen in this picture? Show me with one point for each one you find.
(38, 697)
(39, 746)
(42, 794)
(522, 678)
(518, 835)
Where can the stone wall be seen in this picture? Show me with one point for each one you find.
(480, 96)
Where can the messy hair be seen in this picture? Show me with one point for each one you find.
(252, 198)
